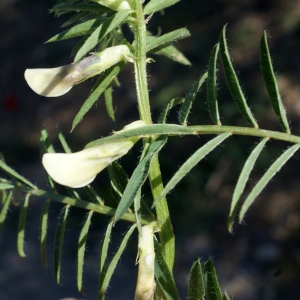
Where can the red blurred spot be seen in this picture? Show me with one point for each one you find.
(11, 102)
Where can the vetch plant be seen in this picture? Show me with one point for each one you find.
(100, 25)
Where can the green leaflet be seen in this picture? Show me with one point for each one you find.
(43, 232)
(59, 239)
(163, 115)
(158, 42)
(271, 84)
(196, 289)
(109, 102)
(138, 177)
(15, 175)
(173, 53)
(213, 290)
(5, 207)
(100, 86)
(225, 297)
(6, 186)
(212, 100)
(243, 178)
(192, 162)
(113, 263)
(103, 257)
(187, 104)
(78, 17)
(271, 172)
(157, 5)
(81, 29)
(101, 31)
(163, 275)
(81, 249)
(21, 228)
(233, 83)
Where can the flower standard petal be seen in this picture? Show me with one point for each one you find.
(51, 82)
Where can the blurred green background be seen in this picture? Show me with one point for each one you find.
(261, 259)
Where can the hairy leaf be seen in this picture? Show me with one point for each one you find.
(271, 84)
(212, 285)
(159, 42)
(43, 232)
(114, 261)
(271, 172)
(21, 228)
(80, 16)
(138, 177)
(233, 83)
(243, 178)
(81, 29)
(212, 100)
(196, 289)
(192, 162)
(103, 256)
(187, 104)
(81, 249)
(100, 86)
(163, 115)
(59, 239)
(99, 33)
(157, 5)
(173, 53)
(163, 275)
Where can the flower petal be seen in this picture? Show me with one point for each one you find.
(51, 82)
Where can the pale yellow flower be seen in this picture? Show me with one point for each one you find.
(58, 81)
(80, 168)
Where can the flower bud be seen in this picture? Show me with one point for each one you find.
(80, 168)
(116, 5)
(145, 286)
(58, 81)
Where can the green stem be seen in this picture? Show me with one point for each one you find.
(163, 217)
(100, 209)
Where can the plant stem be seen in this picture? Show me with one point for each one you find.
(163, 217)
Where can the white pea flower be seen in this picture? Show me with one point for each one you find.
(80, 168)
(116, 5)
(58, 81)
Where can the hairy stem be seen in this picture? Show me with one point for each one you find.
(163, 217)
